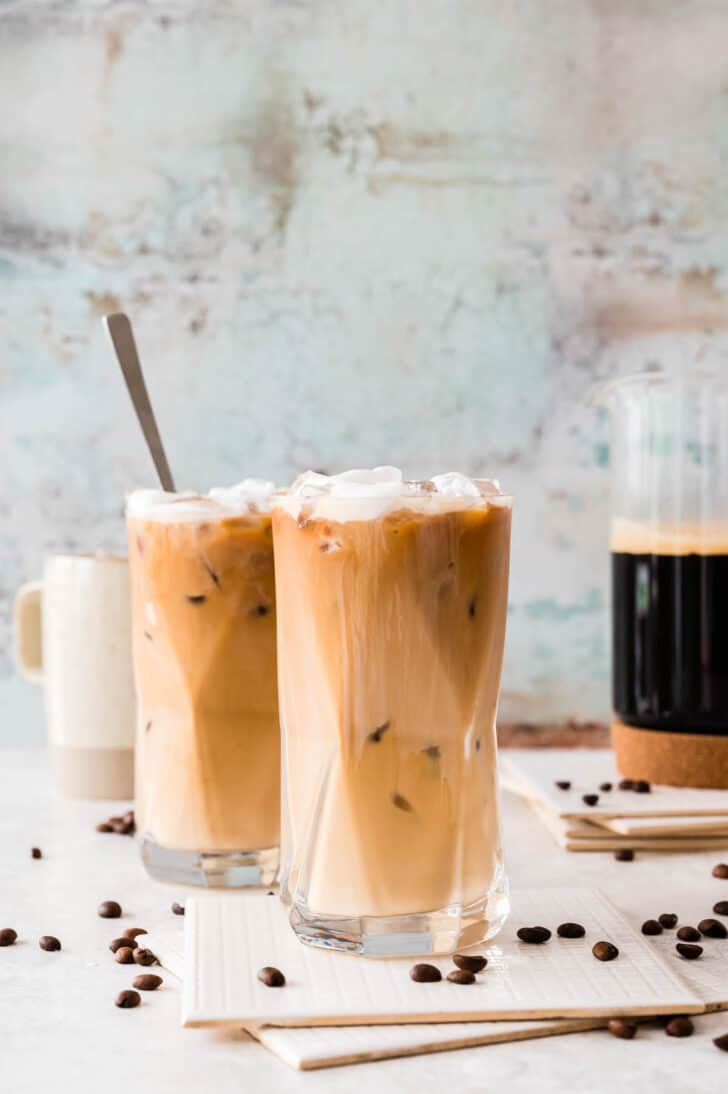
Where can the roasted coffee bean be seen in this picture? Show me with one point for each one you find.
(461, 976)
(651, 926)
(570, 930)
(147, 981)
(590, 799)
(721, 908)
(134, 932)
(271, 977)
(7, 936)
(642, 787)
(626, 784)
(104, 826)
(605, 951)
(35, 852)
(720, 870)
(123, 943)
(688, 934)
(124, 955)
(470, 962)
(688, 951)
(144, 957)
(622, 1028)
(721, 1042)
(425, 974)
(668, 920)
(606, 787)
(534, 935)
(178, 909)
(563, 784)
(679, 1027)
(109, 909)
(625, 854)
(711, 928)
(128, 999)
(49, 942)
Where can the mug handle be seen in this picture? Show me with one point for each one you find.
(28, 614)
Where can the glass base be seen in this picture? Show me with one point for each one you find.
(211, 869)
(440, 932)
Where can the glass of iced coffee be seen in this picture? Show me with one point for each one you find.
(203, 620)
(392, 606)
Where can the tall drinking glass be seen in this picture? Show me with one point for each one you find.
(392, 606)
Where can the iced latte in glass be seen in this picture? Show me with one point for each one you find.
(203, 617)
(392, 606)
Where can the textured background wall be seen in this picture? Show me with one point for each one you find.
(354, 231)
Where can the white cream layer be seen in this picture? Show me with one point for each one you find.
(248, 496)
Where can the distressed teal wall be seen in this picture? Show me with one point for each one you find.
(354, 232)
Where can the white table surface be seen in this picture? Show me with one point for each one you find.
(59, 1029)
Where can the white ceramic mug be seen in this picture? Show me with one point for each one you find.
(73, 636)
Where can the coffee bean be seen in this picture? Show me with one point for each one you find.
(626, 784)
(35, 852)
(690, 953)
(570, 930)
(642, 787)
(271, 977)
(7, 936)
(123, 943)
(470, 962)
(606, 787)
(461, 976)
(128, 999)
(605, 951)
(178, 909)
(668, 920)
(534, 935)
(134, 932)
(721, 1042)
(688, 934)
(622, 1028)
(590, 799)
(49, 942)
(425, 974)
(104, 826)
(721, 870)
(625, 854)
(679, 1027)
(651, 926)
(109, 909)
(147, 981)
(711, 928)
(124, 955)
(563, 784)
(721, 908)
(144, 957)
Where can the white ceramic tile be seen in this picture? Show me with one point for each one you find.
(230, 936)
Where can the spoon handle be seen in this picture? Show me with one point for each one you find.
(122, 337)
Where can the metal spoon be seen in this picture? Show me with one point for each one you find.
(122, 338)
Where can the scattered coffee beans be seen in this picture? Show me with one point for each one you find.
(641, 786)
(147, 981)
(721, 1042)
(109, 909)
(688, 951)
(123, 825)
(470, 962)
(534, 935)
(123, 943)
(178, 909)
(425, 974)
(679, 1027)
(35, 852)
(570, 930)
(720, 870)
(622, 1028)
(144, 957)
(606, 787)
(688, 934)
(563, 784)
(651, 926)
(124, 955)
(626, 784)
(625, 854)
(668, 920)
(461, 976)
(721, 908)
(605, 951)
(271, 977)
(49, 942)
(712, 928)
(590, 799)
(7, 936)
(128, 999)
(134, 932)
